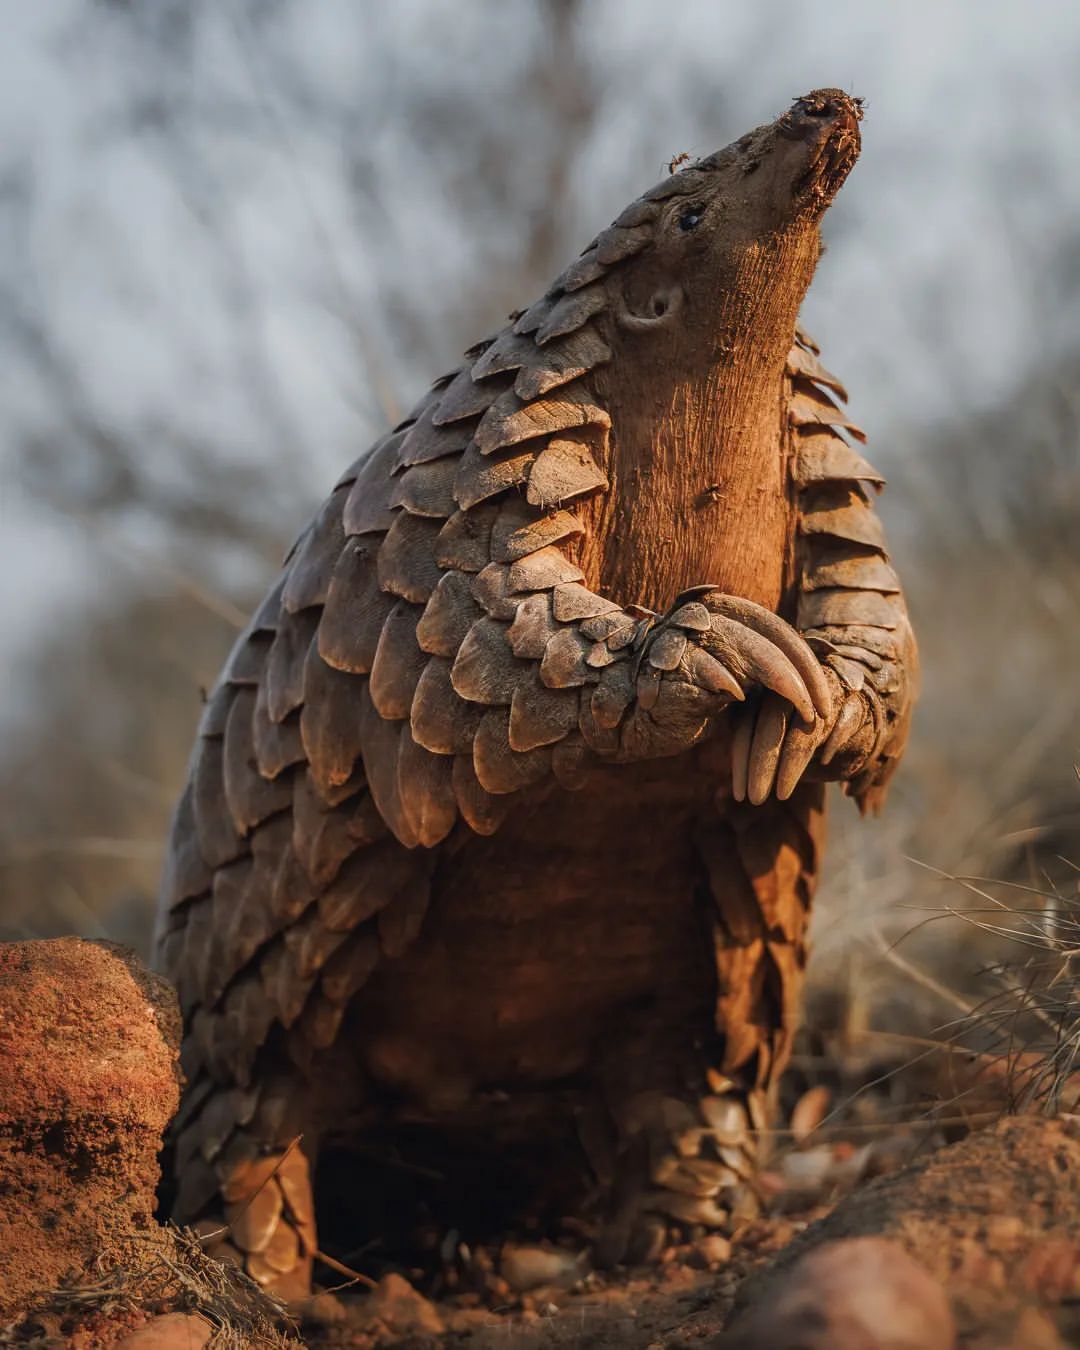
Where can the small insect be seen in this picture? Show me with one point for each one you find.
(678, 161)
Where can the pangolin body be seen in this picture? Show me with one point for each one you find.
(508, 804)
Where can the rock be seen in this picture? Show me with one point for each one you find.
(714, 1249)
(174, 1331)
(1031, 1329)
(324, 1310)
(396, 1303)
(856, 1294)
(809, 1112)
(525, 1268)
(991, 1218)
(88, 1082)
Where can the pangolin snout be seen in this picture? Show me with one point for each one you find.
(824, 106)
(826, 122)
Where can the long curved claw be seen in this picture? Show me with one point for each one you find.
(772, 721)
(781, 634)
(755, 658)
(799, 746)
(851, 717)
(713, 677)
(741, 741)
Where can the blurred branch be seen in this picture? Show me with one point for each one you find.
(140, 557)
(349, 309)
(87, 848)
(921, 977)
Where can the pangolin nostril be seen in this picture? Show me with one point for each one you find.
(816, 109)
(822, 104)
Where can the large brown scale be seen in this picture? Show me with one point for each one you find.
(505, 815)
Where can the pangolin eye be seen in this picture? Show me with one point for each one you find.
(690, 218)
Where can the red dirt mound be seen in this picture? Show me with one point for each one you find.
(88, 1082)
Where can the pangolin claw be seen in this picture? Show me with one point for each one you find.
(800, 744)
(741, 742)
(850, 719)
(755, 659)
(712, 676)
(781, 634)
(769, 729)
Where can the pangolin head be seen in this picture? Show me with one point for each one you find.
(729, 243)
(803, 157)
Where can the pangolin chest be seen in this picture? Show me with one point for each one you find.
(697, 496)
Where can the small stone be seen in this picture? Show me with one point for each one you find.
(809, 1112)
(715, 1249)
(1033, 1330)
(403, 1308)
(854, 1294)
(324, 1310)
(525, 1268)
(173, 1331)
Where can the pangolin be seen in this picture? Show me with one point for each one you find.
(506, 812)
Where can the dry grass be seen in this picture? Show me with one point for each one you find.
(1029, 1020)
(172, 1274)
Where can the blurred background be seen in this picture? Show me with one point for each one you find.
(238, 238)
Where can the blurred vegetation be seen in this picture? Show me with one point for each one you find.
(185, 518)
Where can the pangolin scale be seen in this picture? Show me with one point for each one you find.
(508, 805)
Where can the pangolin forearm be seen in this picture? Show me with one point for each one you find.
(851, 608)
(586, 678)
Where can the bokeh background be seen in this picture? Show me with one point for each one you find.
(237, 238)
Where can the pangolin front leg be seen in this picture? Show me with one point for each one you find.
(761, 852)
(662, 680)
(849, 608)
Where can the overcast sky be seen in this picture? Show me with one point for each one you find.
(948, 279)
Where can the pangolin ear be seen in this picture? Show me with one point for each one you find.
(661, 309)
